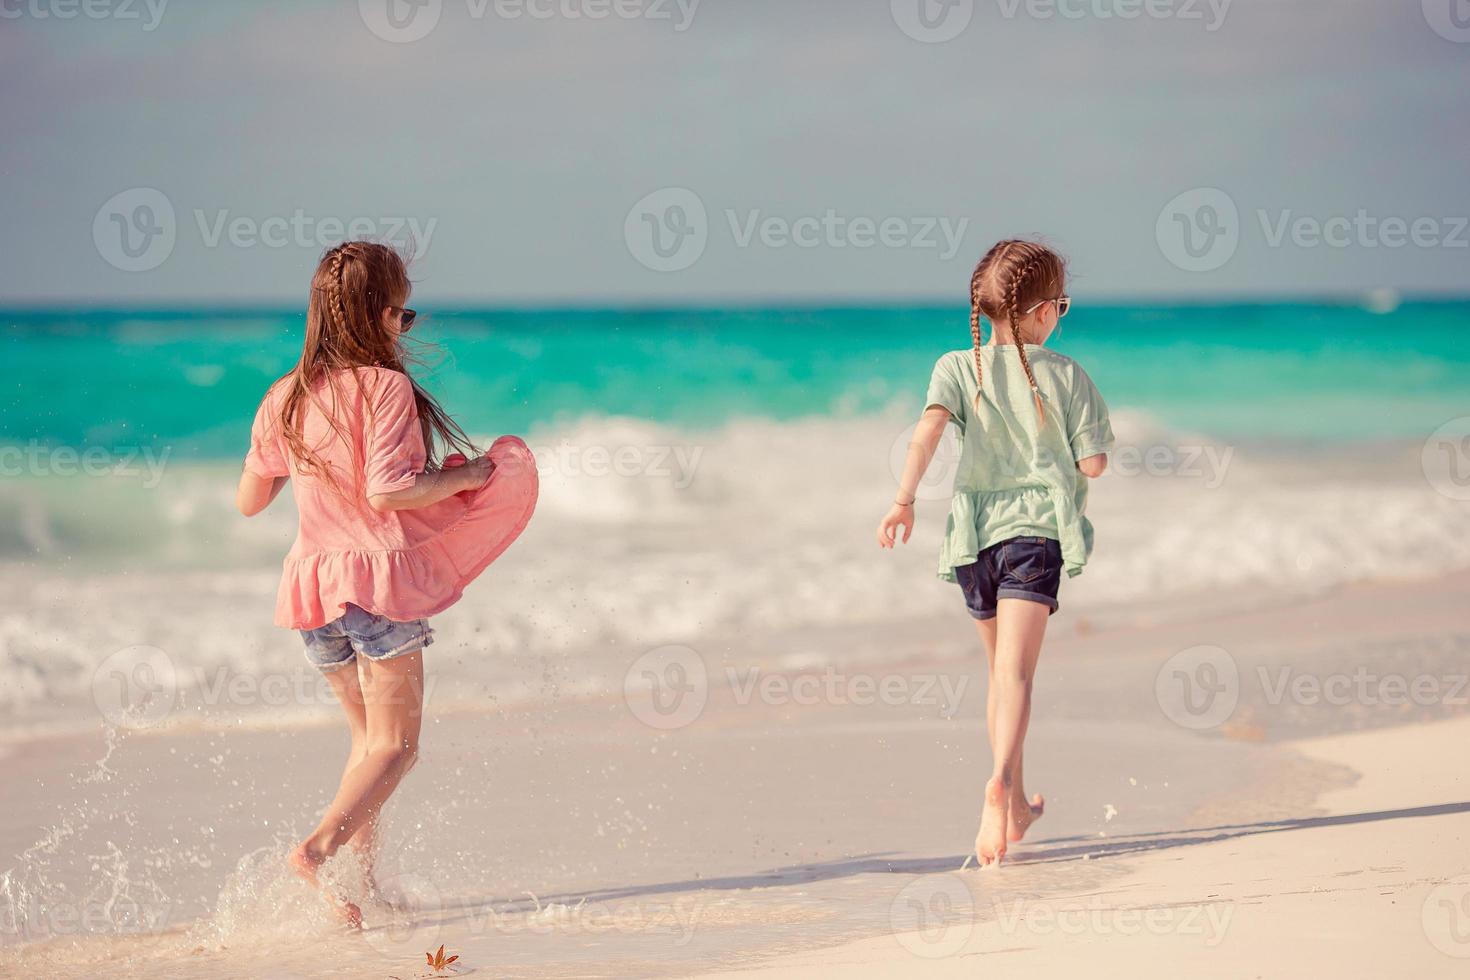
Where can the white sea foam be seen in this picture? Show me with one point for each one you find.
(648, 535)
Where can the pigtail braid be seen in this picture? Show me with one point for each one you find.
(335, 303)
(1014, 314)
(976, 338)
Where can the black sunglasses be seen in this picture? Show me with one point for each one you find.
(408, 317)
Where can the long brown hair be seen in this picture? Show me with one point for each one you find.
(1012, 277)
(353, 283)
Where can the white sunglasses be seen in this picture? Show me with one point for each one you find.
(1064, 303)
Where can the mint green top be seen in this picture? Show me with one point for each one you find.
(1018, 476)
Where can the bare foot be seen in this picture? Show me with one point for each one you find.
(305, 863)
(1023, 814)
(990, 843)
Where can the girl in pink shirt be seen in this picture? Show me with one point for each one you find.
(388, 536)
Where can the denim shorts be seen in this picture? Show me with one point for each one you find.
(1017, 568)
(357, 631)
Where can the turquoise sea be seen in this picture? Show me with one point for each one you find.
(189, 380)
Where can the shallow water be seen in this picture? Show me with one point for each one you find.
(710, 484)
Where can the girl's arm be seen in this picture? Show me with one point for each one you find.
(256, 492)
(921, 451)
(430, 488)
(1093, 466)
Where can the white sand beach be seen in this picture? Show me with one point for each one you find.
(805, 821)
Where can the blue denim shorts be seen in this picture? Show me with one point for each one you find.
(1017, 568)
(357, 631)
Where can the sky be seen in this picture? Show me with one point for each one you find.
(688, 152)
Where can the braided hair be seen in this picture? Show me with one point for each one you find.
(1011, 278)
(353, 284)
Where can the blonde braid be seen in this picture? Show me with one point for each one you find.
(1014, 315)
(334, 286)
(975, 335)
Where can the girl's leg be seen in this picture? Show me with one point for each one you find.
(1020, 627)
(1021, 813)
(348, 689)
(392, 696)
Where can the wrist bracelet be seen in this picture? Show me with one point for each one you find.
(909, 504)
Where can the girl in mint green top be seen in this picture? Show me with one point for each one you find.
(1034, 429)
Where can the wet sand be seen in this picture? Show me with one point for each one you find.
(795, 815)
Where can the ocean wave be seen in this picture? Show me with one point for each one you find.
(751, 533)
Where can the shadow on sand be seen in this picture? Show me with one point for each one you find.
(1046, 851)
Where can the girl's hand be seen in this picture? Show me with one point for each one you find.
(899, 515)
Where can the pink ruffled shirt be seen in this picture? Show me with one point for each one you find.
(405, 564)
